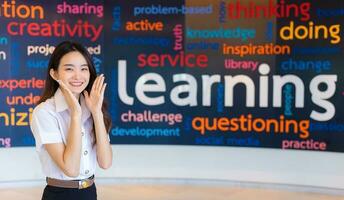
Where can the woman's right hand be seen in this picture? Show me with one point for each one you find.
(71, 100)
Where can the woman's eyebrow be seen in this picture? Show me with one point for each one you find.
(68, 65)
(72, 65)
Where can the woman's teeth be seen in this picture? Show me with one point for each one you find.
(76, 84)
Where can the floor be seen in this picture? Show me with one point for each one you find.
(176, 192)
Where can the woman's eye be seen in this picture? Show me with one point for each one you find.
(68, 69)
(84, 69)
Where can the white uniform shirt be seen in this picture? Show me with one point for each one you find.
(50, 124)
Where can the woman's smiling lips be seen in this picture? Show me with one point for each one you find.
(76, 83)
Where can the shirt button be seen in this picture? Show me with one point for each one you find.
(85, 152)
(87, 171)
(82, 133)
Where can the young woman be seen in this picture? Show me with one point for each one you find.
(70, 125)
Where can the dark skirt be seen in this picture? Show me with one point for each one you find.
(58, 193)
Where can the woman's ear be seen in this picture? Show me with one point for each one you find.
(53, 74)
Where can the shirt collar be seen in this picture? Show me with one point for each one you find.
(61, 104)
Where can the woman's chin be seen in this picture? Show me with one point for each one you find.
(77, 90)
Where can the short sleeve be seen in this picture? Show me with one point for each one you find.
(45, 128)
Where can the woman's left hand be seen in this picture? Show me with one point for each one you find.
(94, 100)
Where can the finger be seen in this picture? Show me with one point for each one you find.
(60, 83)
(97, 85)
(103, 90)
(101, 84)
(65, 90)
(63, 86)
(86, 94)
(94, 84)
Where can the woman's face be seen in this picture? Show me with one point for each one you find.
(73, 71)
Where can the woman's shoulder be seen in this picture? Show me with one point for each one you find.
(47, 106)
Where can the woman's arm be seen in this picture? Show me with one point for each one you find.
(104, 151)
(94, 102)
(68, 156)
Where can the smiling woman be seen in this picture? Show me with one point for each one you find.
(70, 124)
(73, 71)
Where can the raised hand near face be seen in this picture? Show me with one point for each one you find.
(71, 100)
(94, 100)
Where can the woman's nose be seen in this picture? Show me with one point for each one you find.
(76, 74)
